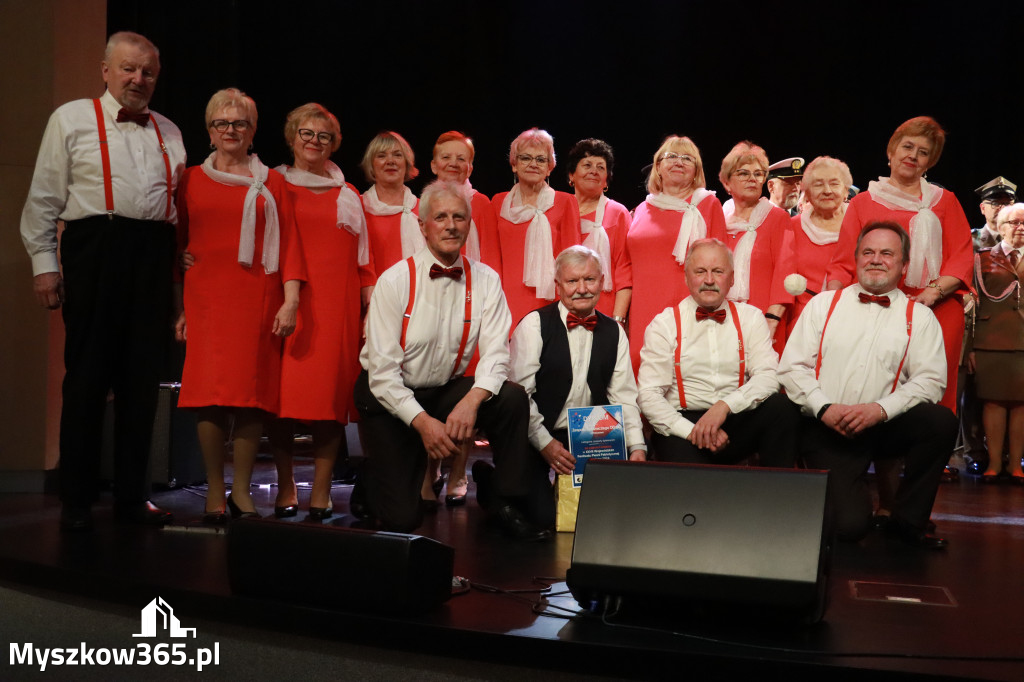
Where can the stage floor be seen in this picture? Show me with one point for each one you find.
(873, 624)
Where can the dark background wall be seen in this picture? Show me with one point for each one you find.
(798, 78)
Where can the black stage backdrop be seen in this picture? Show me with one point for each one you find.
(798, 78)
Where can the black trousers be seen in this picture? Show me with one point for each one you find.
(397, 462)
(770, 430)
(117, 320)
(924, 436)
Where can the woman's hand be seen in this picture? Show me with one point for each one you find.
(929, 296)
(284, 321)
(179, 328)
(187, 260)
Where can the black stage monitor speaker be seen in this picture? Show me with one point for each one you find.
(662, 536)
(339, 568)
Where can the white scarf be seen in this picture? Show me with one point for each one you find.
(538, 261)
(745, 247)
(597, 239)
(412, 238)
(692, 226)
(816, 234)
(473, 240)
(925, 228)
(350, 209)
(257, 188)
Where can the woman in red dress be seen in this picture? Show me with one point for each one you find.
(535, 223)
(812, 234)
(321, 359)
(391, 208)
(240, 298)
(678, 211)
(603, 223)
(941, 252)
(755, 229)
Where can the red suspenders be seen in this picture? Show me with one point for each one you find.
(467, 319)
(679, 350)
(910, 327)
(108, 185)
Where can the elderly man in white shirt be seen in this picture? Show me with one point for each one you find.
(108, 169)
(707, 374)
(567, 354)
(866, 366)
(428, 315)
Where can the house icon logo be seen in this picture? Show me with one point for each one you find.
(158, 618)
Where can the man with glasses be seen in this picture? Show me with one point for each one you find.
(108, 168)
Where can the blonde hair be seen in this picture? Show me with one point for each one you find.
(679, 144)
(231, 97)
(743, 153)
(306, 112)
(385, 141)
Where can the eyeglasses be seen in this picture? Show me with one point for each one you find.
(746, 175)
(221, 126)
(1015, 223)
(527, 159)
(998, 203)
(684, 158)
(307, 135)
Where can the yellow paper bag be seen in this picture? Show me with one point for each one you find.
(567, 502)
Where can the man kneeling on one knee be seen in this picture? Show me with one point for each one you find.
(707, 374)
(866, 365)
(569, 355)
(427, 317)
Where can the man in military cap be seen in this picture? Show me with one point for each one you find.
(784, 183)
(995, 194)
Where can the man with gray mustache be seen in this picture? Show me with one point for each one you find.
(569, 355)
(707, 374)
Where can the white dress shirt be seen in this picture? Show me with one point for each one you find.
(709, 363)
(434, 333)
(68, 179)
(526, 348)
(861, 352)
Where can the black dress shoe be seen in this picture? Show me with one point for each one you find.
(237, 513)
(142, 513)
(76, 519)
(482, 473)
(321, 513)
(515, 525)
(286, 512)
(357, 501)
(215, 518)
(914, 536)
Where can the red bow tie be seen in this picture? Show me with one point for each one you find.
(125, 115)
(572, 320)
(717, 315)
(437, 271)
(880, 300)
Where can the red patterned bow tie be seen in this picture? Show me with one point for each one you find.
(717, 315)
(880, 300)
(572, 320)
(437, 271)
(128, 116)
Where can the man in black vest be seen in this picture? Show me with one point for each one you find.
(567, 354)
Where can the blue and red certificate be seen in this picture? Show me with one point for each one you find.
(595, 432)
